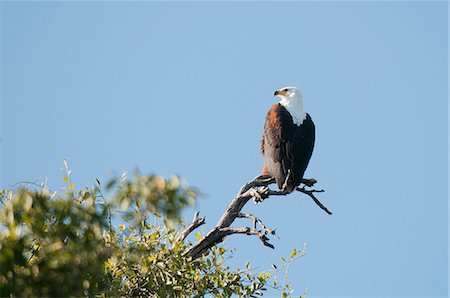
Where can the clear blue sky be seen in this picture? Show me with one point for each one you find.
(184, 88)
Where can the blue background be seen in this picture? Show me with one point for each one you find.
(184, 88)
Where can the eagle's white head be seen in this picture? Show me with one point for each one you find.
(292, 100)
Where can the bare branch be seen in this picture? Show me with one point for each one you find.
(196, 222)
(258, 189)
(310, 193)
(257, 221)
(246, 230)
(309, 182)
(248, 215)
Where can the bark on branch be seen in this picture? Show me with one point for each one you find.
(258, 189)
(196, 222)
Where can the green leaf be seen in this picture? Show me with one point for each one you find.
(111, 183)
(294, 253)
(198, 236)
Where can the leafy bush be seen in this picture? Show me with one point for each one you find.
(89, 244)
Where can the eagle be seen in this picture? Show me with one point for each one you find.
(288, 140)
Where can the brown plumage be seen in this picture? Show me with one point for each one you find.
(287, 147)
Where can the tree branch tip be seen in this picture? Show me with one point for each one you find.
(271, 246)
(267, 243)
(308, 191)
(196, 215)
(309, 182)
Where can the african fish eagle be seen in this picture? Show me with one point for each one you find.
(288, 139)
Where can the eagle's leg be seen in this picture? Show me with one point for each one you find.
(309, 182)
(284, 188)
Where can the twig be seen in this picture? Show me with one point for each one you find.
(53, 193)
(310, 193)
(33, 253)
(106, 202)
(309, 182)
(255, 222)
(196, 222)
(246, 230)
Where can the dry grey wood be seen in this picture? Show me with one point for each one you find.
(196, 222)
(309, 182)
(255, 222)
(310, 193)
(258, 189)
(248, 231)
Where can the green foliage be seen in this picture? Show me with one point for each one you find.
(152, 263)
(156, 195)
(47, 243)
(68, 246)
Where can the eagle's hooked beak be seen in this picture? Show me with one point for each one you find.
(280, 92)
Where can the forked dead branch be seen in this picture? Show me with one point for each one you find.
(258, 189)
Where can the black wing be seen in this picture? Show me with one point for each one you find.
(286, 146)
(299, 149)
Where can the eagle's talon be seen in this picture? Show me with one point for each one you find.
(264, 191)
(257, 198)
(261, 194)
